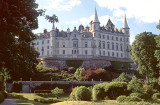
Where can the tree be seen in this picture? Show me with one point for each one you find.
(17, 20)
(142, 53)
(79, 74)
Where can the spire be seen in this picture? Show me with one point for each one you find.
(95, 16)
(125, 22)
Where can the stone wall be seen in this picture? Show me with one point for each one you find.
(87, 63)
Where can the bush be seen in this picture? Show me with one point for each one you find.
(79, 74)
(72, 94)
(83, 94)
(44, 100)
(99, 92)
(133, 98)
(57, 92)
(121, 98)
(156, 96)
(136, 95)
(1, 97)
(115, 89)
(122, 78)
(147, 91)
(71, 69)
(17, 86)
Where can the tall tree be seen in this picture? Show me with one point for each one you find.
(142, 53)
(17, 20)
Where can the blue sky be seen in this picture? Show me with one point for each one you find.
(142, 15)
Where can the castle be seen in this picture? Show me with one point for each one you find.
(91, 43)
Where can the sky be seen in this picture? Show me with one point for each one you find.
(142, 15)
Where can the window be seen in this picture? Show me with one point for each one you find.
(108, 53)
(42, 52)
(107, 37)
(120, 39)
(121, 47)
(42, 48)
(112, 54)
(99, 44)
(37, 43)
(48, 41)
(47, 52)
(99, 35)
(112, 46)
(122, 55)
(47, 47)
(127, 39)
(103, 45)
(116, 46)
(108, 46)
(42, 41)
(86, 45)
(117, 55)
(77, 51)
(63, 44)
(63, 51)
(112, 38)
(103, 37)
(100, 52)
(86, 52)
(74, 51)
(103, 52)
(74, 35)
(116, 38)
(75, 44)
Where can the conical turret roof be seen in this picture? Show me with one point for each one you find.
(95, 17)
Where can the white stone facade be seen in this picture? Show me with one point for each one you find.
(85, 42)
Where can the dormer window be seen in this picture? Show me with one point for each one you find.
(74, 35)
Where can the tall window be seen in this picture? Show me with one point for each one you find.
(47, 52)
(103, 52)
(86, 44)
(103, 45)
(99, 35)
(112, 54)
(42, 53)
(121, 47)
(75, 44)
(42, 41)
(116, 46)
(117, 55)
(74, 51)
(48, 41)
(42, 48)
(108, 37)
(77, 51)
(74, 35)
(120, 39)
(116, 38)
(103, 37)
(37, 43)
(122, 55)
(63, 44)
(108, 53)
(112, 46)
(112, 38)
(86, 52)
(108, 45)
(47, 47)
(63, 51)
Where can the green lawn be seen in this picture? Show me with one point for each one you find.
(28, 99)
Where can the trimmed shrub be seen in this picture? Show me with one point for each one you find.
(136, 95)
(79, 74)
(83, 94)
(72, 94)
(44, 100)
(17, 86)
(115, 89)
(122, 78)
(1, 97)
(57, 92)
(98, 92)
(121, 98)
(156, 96)
(133, 98)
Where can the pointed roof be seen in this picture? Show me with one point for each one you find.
(95, 16)
(125, 22)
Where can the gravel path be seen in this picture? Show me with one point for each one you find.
(9, 101)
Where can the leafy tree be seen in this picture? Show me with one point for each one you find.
(142, 53)
(122, 78)
(57, 92)
(79, 74)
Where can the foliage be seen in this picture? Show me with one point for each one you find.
(57, 92)
(156, 96)
(122, 78)
(71, 69)
(115, 89)
(79, 74)
(98, 92)
(120, 65)
(133, 98)
(42, 91)
(46, 100)
(17, 86)
(136, 95)
(1, 97)
(74, 63)
(72, 95)
(96, 75)
(135, 85)
(121, 98)
(83, 94)
(142, 53)
(110, 68)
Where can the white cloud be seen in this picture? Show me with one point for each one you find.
(61, 5)
(143, 10)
